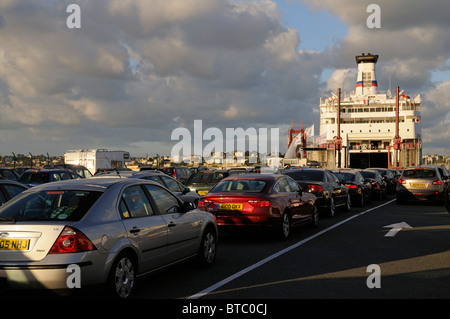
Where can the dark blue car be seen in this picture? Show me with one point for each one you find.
(35, 177)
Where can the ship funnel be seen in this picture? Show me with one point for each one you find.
(366, 82)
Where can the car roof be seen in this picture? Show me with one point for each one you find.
(135, 174)
(422, 166)
(345, 170)
(212, 171)
(309, 168)
(47, 170)
(266, 177)
(98, 183)
(10, 181)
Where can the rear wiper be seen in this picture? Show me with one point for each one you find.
(7, 220)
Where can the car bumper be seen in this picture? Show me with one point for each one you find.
(244, 220)
(419, 194)
(49, 274)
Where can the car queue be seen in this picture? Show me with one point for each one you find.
(120, 226)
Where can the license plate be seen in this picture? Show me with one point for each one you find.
(230, 206)
(419, 184)
(14, 244)
(201, 193)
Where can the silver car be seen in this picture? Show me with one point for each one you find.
(109, 231)
(9, 189)
(420, 183)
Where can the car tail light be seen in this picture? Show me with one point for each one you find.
(71, 240)
(351, 186)
(438, 182)
(203, 203)
(401, 181)
(315, 188)
(259, 203)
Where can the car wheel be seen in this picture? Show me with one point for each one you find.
(447, 198)
(380, 195)
(285, 226)
(315, 217)
(361, 200)
(370, 197)
(208, 248)
(332, 207)
(348, 204)
(122, 277)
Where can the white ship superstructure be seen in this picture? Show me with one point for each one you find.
(368, 123)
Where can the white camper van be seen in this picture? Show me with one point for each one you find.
(97, 159)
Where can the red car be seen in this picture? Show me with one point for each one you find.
(264, 200)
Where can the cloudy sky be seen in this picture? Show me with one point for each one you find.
(138, 69)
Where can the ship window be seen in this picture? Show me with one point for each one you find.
(367, 79)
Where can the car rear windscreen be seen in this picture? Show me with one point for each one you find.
(50, 205)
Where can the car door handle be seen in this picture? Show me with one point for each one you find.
(135, 230)
(171, 224)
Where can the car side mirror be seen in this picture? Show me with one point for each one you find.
(186, 190)
(187, 206)
(301, 189)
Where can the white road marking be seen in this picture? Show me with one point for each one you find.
(396, 228)
(277, 254)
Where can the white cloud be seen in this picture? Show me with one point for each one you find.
(135, 65)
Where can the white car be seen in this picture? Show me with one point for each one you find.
(112, 230)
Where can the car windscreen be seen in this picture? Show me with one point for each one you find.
(367, 174)
(348, 177)
(419, 173)
(34, 177)
(69, 205)
(168, 171)
(209, 178)
(306, 175)
(239, 186)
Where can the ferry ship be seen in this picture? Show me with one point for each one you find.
(364, 129)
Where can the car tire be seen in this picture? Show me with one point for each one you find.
(348, 204)
(332, 208)
(447, 198)
(315, 217)
(122, 277)
(208, 248)
(285, 230)
(361, 200)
